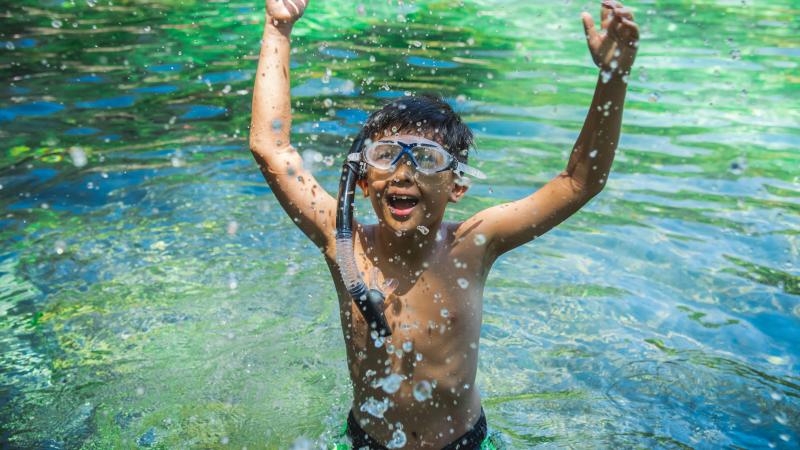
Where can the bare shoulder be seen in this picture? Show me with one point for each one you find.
(469, 242)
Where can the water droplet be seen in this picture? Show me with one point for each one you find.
(78, 156)
(390, 348)
(233, 227)
(737, 168)
(60, 246)
(654, 97)
(592, 153)
(327, 102)
(398, 440)
(423, 229)
(781, 419)
(374, 407)
(422, 391)
(479, 239)
(418, 356)
(10, 45)
(389, 384)
(91, 3)
(408, 346)
(463, 283)
(444, 312)
(57, 23)
(233, 283)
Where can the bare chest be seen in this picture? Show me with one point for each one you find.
(434, 310)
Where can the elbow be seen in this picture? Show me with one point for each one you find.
(586, 189)
(595, 187)
(256, 147)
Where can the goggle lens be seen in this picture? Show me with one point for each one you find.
(428, 158)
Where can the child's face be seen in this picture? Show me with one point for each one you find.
(405, 199)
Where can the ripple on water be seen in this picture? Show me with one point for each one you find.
(663, 314)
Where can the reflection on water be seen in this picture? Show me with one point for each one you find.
(153, 293)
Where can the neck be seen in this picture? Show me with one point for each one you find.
(413, 247)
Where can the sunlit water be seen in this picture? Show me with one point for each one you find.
(154, 294)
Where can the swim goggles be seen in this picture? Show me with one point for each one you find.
(428, 157)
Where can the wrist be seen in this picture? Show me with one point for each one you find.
(608, 75)
(277, 27)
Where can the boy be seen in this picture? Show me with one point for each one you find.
(414, 386)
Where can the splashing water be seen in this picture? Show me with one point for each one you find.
(398, 438)
(118, 261)
(389, 384)
(374, 407)
(422, 391)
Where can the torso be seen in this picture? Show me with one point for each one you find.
(438, 309)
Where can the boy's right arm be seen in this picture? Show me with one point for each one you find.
(309, 206)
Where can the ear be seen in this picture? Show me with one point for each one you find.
(456, 192)
(362, 183)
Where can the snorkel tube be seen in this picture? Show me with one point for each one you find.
(368, 301)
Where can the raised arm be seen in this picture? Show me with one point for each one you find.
(309, 206)
(513, 224)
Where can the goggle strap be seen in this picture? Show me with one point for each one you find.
(470, 171)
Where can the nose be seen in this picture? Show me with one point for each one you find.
(404, 170)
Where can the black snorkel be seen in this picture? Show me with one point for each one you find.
(368, 301)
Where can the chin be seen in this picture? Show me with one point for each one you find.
(405, 223)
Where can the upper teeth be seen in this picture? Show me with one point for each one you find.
(403, 197)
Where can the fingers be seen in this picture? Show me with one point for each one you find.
(290, 6)
(611, 9)
(630, 32)
(589, 28)
(624, 12)
(605, 15)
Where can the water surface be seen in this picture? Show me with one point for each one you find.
(154, 294)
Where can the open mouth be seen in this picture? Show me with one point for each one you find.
(401, 205)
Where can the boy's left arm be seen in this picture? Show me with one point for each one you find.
(512, 224)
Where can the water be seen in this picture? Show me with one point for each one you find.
(153, 293)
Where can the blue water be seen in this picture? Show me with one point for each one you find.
(154, 294)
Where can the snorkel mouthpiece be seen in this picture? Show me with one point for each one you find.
(368, 301)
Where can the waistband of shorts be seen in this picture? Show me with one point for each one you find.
(470, 440)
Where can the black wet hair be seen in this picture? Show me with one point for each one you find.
(426, 113)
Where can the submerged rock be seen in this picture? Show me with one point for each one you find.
(148, 438)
